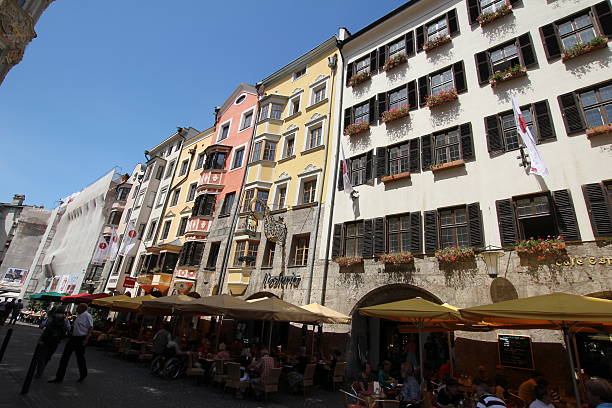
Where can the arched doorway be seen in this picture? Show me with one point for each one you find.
(375, 340)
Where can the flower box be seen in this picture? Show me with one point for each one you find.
(359, 78)
(356, 128)
(516, 71)
(398, 176)
(400, 258)
(454, 255)
(584, 48)
(448, 165)
(348, 261)
(436, 42)
(486, 18)
(599, 130)
(542, 249)
(394, 62)
(441, 98)
(395, 113)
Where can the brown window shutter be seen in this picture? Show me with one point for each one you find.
(410, 43)
(599, 209)
(459, 73)
(369, 167)
(453, 24)
(372, 110)
(349, 72)
(415, 154)
(382, 103)
(348, 117)
(475, 225)
(379, 236)
(426, 152)
(413, 99)
(416, 244)
(546, 130)
(423, 89)
(508, 231)
(495, 142)
(382, 55)
(467, 145)
(340, 183)
(196, 205)
(572, 113)
(473, 11)
(431, 231)
(527, 51)
(552, 45)
(374, 62)
(565, 215)
(420, 38)
(381, 162)
(483, 67)
(337, 241)
(604, 17)
(367, 250)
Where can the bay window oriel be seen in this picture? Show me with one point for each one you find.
(518, 51)
(245, 253)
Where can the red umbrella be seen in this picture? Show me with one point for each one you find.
(83, 297)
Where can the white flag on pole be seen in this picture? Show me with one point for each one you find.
(129, 239)
(537, 163)
(101, 252)
(346, 181)
(114, 245)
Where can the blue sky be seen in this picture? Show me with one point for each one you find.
(105, 80)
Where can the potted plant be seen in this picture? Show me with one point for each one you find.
(454, 255)
(400, 258)
(541, 248)
(346, 261)
(394, 62)
(584, 47)
(436, 42)
(395, 113)
(507, 74)
(356, 128)
(599, 130)
(441, 98)
(486, 18)
(359, 78)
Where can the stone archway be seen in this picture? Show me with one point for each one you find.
(365, 331)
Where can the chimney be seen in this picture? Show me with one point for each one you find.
(343, 33)
(18, 199)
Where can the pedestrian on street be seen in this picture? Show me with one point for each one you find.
(3, 304)
(8, 308)
(55, 328)
(16, 310)
(81, 330)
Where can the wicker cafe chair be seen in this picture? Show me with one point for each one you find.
(192, 371)
(308, 380)
(220, 376)
(270, 383)
(233, 378)
(339, 372)
(145, 355)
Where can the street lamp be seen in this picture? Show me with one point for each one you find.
(491, 256)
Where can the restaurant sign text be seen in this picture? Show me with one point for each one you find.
(281, 281)
(585, 260)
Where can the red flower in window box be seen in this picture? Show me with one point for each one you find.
(442, 98)
(400, 258)
(395, 113)
(583, 48)
(599, 130)
(394, 62)
(486, 18)
(436, 42)
(507, 74)
(542, 249)
(454, 254)
(356, 128)
(348, 261)
(359, 78)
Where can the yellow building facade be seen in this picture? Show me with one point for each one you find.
(289, 168)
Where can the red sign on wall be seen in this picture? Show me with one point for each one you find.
(129, 282)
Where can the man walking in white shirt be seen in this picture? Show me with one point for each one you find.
(81, 330)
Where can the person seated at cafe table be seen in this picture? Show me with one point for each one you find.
(526, 390)
(262, 368)
(296, 375)
(482, 376)
(384, 376)
(448, 394)
(542, 398)
(365, 377)
(486, 399)
(222, 354)
(599, 393)
(555, 398)
(411, 390)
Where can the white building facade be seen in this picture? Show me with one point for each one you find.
(445, 172)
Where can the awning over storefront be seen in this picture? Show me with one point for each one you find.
(330, 316)
(274, 309)
(108, 301)
(84, 297)
(212, 305)
(130, 304)
(413, 310)
(52, 296)
(165, 305)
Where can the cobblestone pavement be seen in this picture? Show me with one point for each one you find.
(118, 383)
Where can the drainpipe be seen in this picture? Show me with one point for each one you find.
(332, 64)
(230, 236)
(333, 197)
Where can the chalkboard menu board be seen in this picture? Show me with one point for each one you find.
(515, 351)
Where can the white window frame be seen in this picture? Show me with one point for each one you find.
(161, 197)
(243, 116)
(239, 96)
(187, 200)
(311, 125)
(244, 157)
(286, 138)
(303, 180)
(295, 73)
(227, 123)
(186, 167)
(297, 97)
(320, 84)
(277, 189)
